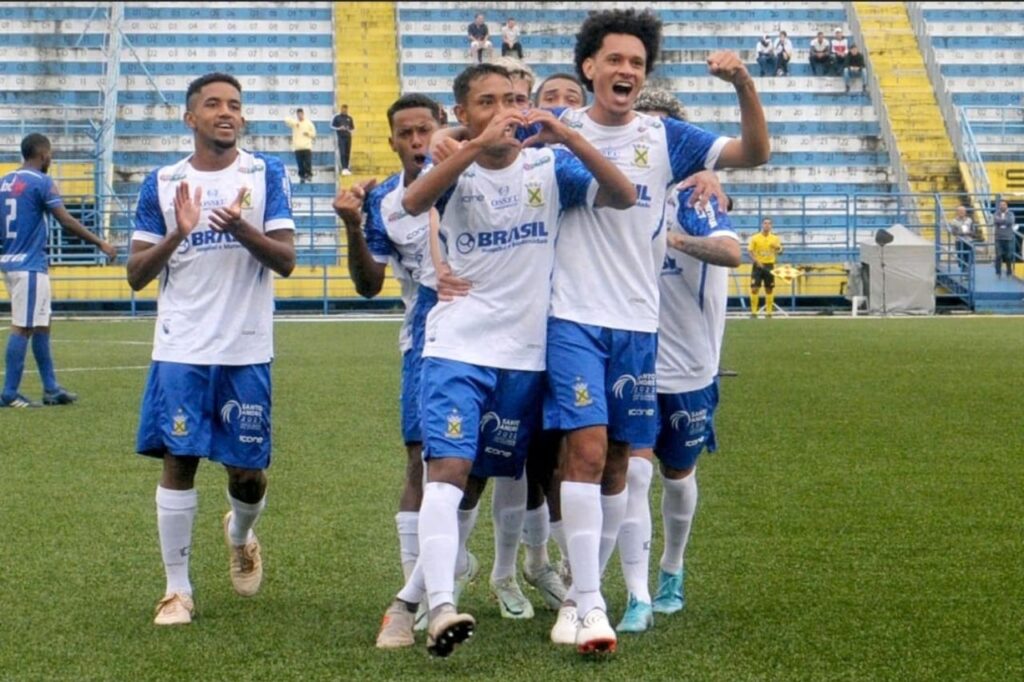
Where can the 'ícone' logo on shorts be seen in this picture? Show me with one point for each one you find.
(454, 425)
(582, 393)
(180, 425)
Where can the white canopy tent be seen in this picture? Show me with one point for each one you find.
(899, 278)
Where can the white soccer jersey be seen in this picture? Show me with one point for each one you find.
(394, 236)
(499, 228)
(216, 302)
(693, 300)
(604, 274)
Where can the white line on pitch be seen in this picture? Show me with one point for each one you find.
(114, 342)
(61, 370)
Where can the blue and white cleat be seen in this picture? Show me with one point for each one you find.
(61, 396)
(639, 617)
(18, 400)
(669, 597)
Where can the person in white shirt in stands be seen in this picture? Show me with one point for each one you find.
(820, 55)
(510, 33)
(783, 54)
(840, 48)
(214, 250)
(484, 355)
(766, 55)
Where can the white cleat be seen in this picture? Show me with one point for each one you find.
(595, 634)
(566, 625)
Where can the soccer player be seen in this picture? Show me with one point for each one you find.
(484, 352)
(560, 90)
(693, 295)
(26, 196)
(208, 392)
(380, 231)
(604, 302)
(763, 248)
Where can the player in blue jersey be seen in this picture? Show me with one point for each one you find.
(484, 352)
(604, 301)
(380, 231)
(26, 196)
(213, 228)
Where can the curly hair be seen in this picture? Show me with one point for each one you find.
(657, 99)
(643, 25)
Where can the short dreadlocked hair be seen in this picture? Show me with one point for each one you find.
(643, 25)
(658, 99)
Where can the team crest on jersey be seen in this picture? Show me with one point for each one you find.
(534, 195)
(179, 427)
(641, 156)
(247, 198)
(581, 393)
(454, 429)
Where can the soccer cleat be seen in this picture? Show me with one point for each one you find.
(61, 396)
(511, 600)
(346, 171)
(396, 627)
(246, 563)
(420, 622)
(18, 400)
(639, 617)
(465, 578)
(566, 625)
(595, 634)
(448, 629)
(669, 597)
(175, 608)
(565, 571)
(549, 584)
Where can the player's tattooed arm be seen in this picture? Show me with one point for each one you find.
(723, 251)
(366, 273)
(275, 250)
(753, 148)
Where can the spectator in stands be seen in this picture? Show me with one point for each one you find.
(478, 39)
(560, 90)
(962, 230)
(510, 33)
(343, 126)
(839, 51)
(303, 132)
(820, 55)
(766, 55)
(854, 67)
(783, 53)
(1003, 221)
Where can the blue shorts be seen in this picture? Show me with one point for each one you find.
(482, 414)
(687, 423)
(601, 377)
(218, 412)
(412, 367)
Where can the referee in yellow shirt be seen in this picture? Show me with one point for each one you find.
(763, 247)
(303, 132)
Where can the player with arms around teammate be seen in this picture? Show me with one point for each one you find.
(213, 228)
(763, 247)
(26, 196)
(380, 230)
(485, 351)
(604, 301)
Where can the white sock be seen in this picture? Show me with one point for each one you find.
(536, 532)
(243, 517)
(558, 535)
(407, 524)
(635, 533)
(678, 505)
(175, 513)
(414, 589)
(613, 509)
(581, 519)
(507, 510)
(439, 541)
(467, 522)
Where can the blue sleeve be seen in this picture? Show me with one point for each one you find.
(279, 191)
(688, 148)
(373, 225)
(698, 222)
(573, 178)
(148, 216)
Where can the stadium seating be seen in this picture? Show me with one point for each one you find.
(52, 72)
(824, 141)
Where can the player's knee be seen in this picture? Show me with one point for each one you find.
(451, 470)
(473, 491)
(179, 472)
(676, 474)
(247, 485)
(585, 457)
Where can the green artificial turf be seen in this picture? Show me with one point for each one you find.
(864, 519)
